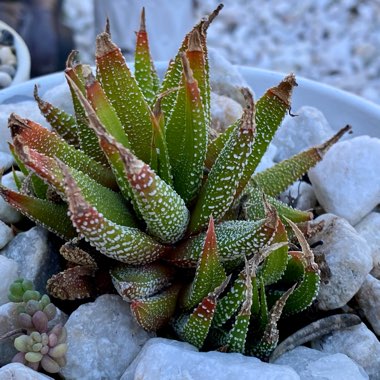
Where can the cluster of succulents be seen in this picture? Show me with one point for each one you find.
(197, 242)
(41, 346)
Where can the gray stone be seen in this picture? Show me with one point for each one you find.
(35, 256)
(8, 274)
(103, 339)
(225, 78)
(8, 214)
(9, 69)
(347, 261)
(347, 180)
(300, 195)
(6, 56)
(8, 322)
(316, 365)
(6, 234)
(300, 132)
(165, 359)
(368, 298)
(18, 371)
(60, 97)
(5, 80)
(358, 343)
(369, 229)
(6, 161)
(224, 112)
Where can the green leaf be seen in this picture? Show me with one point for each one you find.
(126, 244)
(125, 96)
(50, 215)
(209, 273)
(48, 143)
(270, 111)
(145, 72)
(186, 136)
(62, 122)
(279, 177)
(154, 312)
(138, 282)
(218, 192)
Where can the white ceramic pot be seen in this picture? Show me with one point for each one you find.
(22, 55)
(339, 107)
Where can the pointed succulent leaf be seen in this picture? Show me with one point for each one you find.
(110, 204)
(279, 177)
(125, 96)
(174, 72)
(235, 240)
(209, 273)
(139, 282)
(295, 269)
(87, 138)
(269, 341)
(198, 323)
(72, 284)
(160, 161)
(104, 110)
(255, 210)
(126, 244)
(270, 110)
(47, 214)
(162, 209)
(145, 72)
(186, 136)
(45, 142)
(154, 312)
(75, 255)
(62, 123)
(276, 262)
(218, 192)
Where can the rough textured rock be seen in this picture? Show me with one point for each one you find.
(224, 112)
(225, 78)
(8, 322)
(368, 298)
(32, 251)
(316, 365)
(17, 371)
(7, 213)
(6, 234)
(103, 339)
(345, 259)
(165, 359)
(347, 180)
(297, 133)
(369, 229)
(8, 273)
(300, 195)
(358, 343)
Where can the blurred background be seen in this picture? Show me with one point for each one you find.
(332, 41)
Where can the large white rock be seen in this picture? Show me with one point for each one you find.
(358, 343)
(8, 214)
(347, 180)
(316, 365)
(60, 97)
(8, 274)
(369, 229)
(6, 234)
(368, 298)
(103, 339)
(224, 112)
(297, 133)
(32, 251)
(348, 258)
(300, 195)
(165, 359)
(18, 371)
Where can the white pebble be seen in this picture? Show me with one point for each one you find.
(6, 56)
(5, 80)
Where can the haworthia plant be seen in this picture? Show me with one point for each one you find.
(133, 174)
